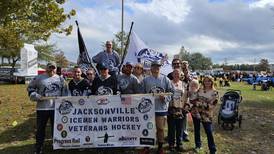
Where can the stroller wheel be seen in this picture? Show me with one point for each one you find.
(231, 126)
(240, 120)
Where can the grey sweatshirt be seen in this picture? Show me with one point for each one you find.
(160, 84)
(111, 60)
(128, 84)
(45, 86)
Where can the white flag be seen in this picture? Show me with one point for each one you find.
(139, 52)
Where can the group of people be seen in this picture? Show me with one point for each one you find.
(187, 96)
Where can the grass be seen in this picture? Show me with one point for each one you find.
(255, 136)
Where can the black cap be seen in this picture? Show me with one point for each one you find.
(102, 66)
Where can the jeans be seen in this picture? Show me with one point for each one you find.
(209, 133)
(174, 128)
(42, 118)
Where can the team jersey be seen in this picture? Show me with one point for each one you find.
(79, 88)
(104, 86)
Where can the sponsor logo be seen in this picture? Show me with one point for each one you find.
(65, 107)
(106, 137)
(64, 119)
(61, 141)
(147, 141)
(149, 125)
(64, 134)
(102, 101)
(145, 105)
(81, 101)
(125, 138)
(145, 117)
(60, 127)
(87, 139)
(145, 132)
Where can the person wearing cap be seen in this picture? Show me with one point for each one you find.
(48, 84)
(109, 57)
(79, 86)
(158, 83)
(127, 82)
(104, 84)
(138, 71)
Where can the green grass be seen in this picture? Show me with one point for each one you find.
(255, 136)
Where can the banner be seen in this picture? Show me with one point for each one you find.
(104, 121)
(139, 52)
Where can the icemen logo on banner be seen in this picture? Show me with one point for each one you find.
(139, 52)
(104, 121)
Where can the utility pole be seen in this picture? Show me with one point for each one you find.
(122, 28)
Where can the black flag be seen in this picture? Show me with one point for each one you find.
(84, 60)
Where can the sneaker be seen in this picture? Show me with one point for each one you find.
(146, 150)
(160, 151)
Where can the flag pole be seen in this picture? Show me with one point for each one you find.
(122, 28)
(87, 56)
(124, 53)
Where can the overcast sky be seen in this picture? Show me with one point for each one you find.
(240, 31)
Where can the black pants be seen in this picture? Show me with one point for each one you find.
(41, 122)
(175, 126)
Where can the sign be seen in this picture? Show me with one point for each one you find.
(104, 121)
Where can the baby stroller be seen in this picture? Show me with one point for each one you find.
(229, 113)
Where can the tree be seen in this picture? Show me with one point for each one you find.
(263, 65)
(61, 60)
(116, 42)
(29, 21)
(184, 54)
(46, 52)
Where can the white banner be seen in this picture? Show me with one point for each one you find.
(104, 121)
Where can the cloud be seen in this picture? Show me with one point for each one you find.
(238, 30)
(174, 10)
(261, 4)
(206, 44)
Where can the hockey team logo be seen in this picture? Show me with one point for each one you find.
(157, 90)
(104, 91)
(52, 89)
(76, 92)
(65, 107)
(149, 54)
(102, 101)
(123, 84)
(145, 105)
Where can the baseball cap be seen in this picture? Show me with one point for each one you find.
(129, 63)
(156, 63)
(102, 66)
(51, 64)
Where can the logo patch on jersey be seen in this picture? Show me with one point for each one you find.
(157, 90)
(104, 91)
(123, 84)
(76, 92)
(52, 90)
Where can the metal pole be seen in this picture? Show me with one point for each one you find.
(122, 28)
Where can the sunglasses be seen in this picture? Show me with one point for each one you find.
(176, 63)
(89, 73)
